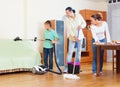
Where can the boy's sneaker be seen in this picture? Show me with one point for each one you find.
(50, 69)
(65, 71)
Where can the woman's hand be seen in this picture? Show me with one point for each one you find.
(97, 43)
(111, 43)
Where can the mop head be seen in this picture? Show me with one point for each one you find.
(71, 76)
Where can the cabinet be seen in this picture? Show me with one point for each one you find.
(86, 13)
(87, 55)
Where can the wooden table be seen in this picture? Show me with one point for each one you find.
(108, 47)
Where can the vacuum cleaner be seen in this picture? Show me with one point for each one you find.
(41, 69)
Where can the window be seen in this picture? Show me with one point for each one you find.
(114, 1)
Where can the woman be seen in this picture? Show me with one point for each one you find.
(100, 34)
(74, 23)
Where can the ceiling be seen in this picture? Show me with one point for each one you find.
(98, 0)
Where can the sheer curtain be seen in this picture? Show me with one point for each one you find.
(114, 23)
(114, 20)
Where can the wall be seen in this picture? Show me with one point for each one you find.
(12, 13)
(38, 12)
(25, 18)
(102, 6)
(11, 18)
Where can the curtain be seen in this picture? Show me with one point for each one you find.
(114, 20)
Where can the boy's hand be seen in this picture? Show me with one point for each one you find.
(54, 42)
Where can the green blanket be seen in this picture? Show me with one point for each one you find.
(18, 54)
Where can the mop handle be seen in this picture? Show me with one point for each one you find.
(75, 54)
(78, 33)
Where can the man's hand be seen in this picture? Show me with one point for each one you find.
(79, 27)
(76, 39)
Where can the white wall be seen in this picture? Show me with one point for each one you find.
(40, 11)
(11, 18)
(102, 6)
(13, 14)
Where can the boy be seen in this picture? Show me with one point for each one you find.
(49, 33)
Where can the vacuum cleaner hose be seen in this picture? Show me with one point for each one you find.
(60, 71)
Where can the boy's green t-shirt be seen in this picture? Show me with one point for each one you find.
(49, 34)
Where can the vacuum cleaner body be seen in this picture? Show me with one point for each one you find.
(39, 69)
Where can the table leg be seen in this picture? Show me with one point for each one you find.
(118, 60)
(98, 60)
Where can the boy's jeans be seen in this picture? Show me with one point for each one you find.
(71, 49)
(94, 62)
(48, 52)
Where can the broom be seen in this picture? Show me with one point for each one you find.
(73, 76)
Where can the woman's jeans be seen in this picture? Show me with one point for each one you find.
(71, 49)
(48, 53)
(94, 62)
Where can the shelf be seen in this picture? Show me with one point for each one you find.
(83, 54)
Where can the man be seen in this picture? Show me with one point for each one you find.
(68, 11)
(74, 24)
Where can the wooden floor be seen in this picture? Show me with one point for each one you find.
(52, 80)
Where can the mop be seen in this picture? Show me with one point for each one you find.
(73, 76)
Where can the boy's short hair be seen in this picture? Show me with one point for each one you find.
(48, 22)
